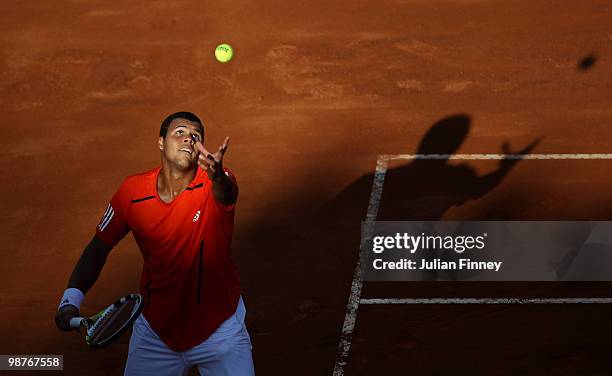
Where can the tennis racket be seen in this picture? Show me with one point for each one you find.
(108, 325)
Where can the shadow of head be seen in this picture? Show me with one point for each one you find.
(445, 136)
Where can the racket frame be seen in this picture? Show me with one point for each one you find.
(89, 322)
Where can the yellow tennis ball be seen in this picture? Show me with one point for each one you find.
(224, 52)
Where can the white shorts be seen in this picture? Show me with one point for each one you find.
(226, 352)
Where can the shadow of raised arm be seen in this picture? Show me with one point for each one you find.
(487, 182)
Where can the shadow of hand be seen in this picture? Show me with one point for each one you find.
(511, 158)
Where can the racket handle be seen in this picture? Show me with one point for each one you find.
(76, 322)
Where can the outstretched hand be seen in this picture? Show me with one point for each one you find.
(212, 163)
(509, 162)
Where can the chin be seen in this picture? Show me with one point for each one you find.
(184, 165)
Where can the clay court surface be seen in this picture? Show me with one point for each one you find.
(316, 91)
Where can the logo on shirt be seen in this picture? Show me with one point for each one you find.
(196, 216)
(106, 218)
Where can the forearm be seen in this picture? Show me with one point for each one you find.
(224, 190)
(88, 268)
(491, 180)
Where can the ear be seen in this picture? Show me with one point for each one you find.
(160, 143)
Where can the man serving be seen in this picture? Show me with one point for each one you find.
(182, 217)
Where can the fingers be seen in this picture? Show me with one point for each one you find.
(218, 156)
(207, 159)
(209, 164)
(506, 147)
(206, 163)
(63, 316)
(201, 148)
(212, 163)
(531, 145)
(223, 147)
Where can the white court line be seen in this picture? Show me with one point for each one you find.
(489, 301)
(354, 300)
(496, 156)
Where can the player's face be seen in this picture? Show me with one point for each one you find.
(178, 147)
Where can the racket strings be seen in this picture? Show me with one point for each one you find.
(100, 321)
(109, 324)
(115, 320)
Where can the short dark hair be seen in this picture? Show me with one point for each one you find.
(179, 115)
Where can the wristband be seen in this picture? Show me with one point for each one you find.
(72, 296)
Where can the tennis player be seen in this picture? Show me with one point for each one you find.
(181, 215)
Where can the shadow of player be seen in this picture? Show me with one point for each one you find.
(425, 189)
(422, 189)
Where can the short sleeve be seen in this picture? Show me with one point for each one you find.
(113, 225)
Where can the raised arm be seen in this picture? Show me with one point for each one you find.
(224, 190)
(491, 180)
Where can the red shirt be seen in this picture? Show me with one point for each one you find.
(189, 282)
